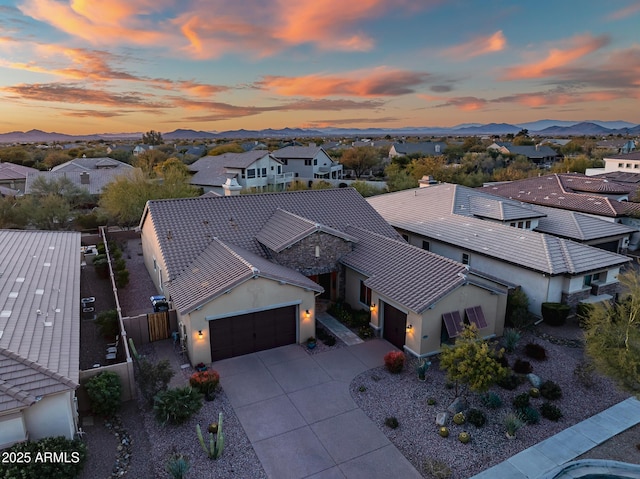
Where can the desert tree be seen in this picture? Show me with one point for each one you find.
(360, 159)
(152, 137)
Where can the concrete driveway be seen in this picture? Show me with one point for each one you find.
(300, 418)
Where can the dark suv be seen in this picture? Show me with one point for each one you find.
(159, 303)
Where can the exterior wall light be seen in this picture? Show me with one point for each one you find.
(200, 335)
(307, 313)
(409, 327)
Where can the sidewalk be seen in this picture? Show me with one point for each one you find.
(568, 444)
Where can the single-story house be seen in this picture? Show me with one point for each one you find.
(14, 177)
(243, 272)
(426, 148)
(308, 162)
(39, 334)
(495, 238)
(256, 169)
(538, 154)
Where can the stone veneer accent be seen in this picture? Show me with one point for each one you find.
(302, 255)
(572, 299)
(610, 288)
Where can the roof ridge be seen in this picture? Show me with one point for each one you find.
(16, 393)
(253, 269)
(38, 367)
(547, 252)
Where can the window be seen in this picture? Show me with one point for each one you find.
(264, 172)
(307, 162)
(279, 169)
(425, 245)
(513, 224)
(620, 165)
(365, 294)
(271, 168)
(251, 173)
(315, 162)
(628, 165)
(465, 258)
(587, 280)
(636, 165)
(528, 224)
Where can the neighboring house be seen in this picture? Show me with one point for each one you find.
(243, 273)
(598, 196)
(620, 146)
(308, 162)
(465, 225)
(120, 148)
(39, 334)
(14, 177)
(253, 145)
(256, 169)
(141, 149)
(628, 162)
(427, 148)
(91, 174)
(538, 154)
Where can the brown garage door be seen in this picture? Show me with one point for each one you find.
(252, 332)
(395, 325)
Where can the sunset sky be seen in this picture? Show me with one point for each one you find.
(98, 66)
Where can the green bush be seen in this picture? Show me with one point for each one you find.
(555, 314)
(104, 393)
(107, 322)
(510, 339)
(522, 367)
(583, 311)
(101, 265)
(153, 378)
(491, 400)
(76, 455)
(175, 406)
(530, 415)
(476, 417)
(122, 278)
(521, 401)
(509, 382)
(535, 351)
(550, 411)
(550, 390)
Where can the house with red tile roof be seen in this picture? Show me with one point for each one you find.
(243, 273)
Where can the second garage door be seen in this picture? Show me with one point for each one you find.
(252, 332)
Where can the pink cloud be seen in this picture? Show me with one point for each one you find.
(378, 82)
(557, 58)
(625, 12)
(477, 46)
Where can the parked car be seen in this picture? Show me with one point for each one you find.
(159, 303)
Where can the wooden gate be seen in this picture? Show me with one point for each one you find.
(158, 326)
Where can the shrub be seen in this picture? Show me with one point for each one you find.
(76, 453)
(510, 339)
(522, 367)
(503, 361)
(122, 278)
(476, 417)
(365, 332)
(175, 406)
(104, 393)
(509, 382)
(491, 400)
(550, 390)
(431, 402)
(101, 265)
(394, 361)
(550, 411)
(436, 468)
(518, 309)
(555, 314)
(583, 311)
(535, 351)
(512, 422)
(107, 322)
(205, 382)
(177, 466)
(153, 378)
(530, 415)
(391, 422)
(521, 401)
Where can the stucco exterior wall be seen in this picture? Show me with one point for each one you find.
(316, 254)
(252, 295)
(53, 415)
(12, 429)
(151, 250)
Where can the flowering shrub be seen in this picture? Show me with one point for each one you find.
(205, 381)
(394, 361)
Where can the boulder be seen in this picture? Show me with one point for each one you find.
(442, 418)
(534, 380)
(458, 405)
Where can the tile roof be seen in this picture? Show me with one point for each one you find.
(559, 191)
(425, 148)
(220, 268)
(11, 171)
(211, 170)
(186, 227)
(284, 229)
(427, 211)
(403, 273)
(40, 304)
(635, 155)
(23, 381)
(98, 178)
(290, 152)
(532, 151)
(90, 164)
(499, 209)
(623, 177)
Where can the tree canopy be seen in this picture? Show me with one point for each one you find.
(360, 159)
(612, 335)
(226, 148)
(152, 137)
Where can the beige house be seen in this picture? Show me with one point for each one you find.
(39, 334)
(243, 273)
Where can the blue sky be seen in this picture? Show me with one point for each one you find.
(87, 66)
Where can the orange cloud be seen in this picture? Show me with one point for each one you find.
(464, 103)
(624, 12)
(577, 48)
(380, 81)
(477, 46)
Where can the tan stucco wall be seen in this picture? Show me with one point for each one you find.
(252, 295)
(12, 429)
(51, 416)
(151, 250)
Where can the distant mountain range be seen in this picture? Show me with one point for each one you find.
(540, 127)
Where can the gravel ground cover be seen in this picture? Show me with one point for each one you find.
(381, 394)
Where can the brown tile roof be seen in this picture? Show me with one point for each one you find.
(220, 268)
(558, 191)
(186, 227)
(40, 301)
(634, 155)
(499, 209)
(284, 229)
(403, 273)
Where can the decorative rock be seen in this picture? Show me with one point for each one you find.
(534, 380)
(441, 418)
(458, 405)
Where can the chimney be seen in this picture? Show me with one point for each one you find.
(231, 187)
(84, 178)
